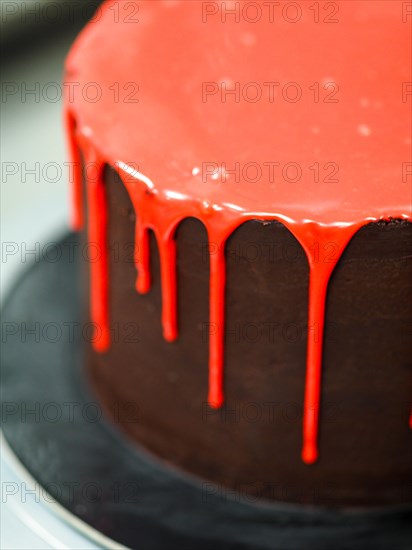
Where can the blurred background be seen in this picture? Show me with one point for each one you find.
(35, 38)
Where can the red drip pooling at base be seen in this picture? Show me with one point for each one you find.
(173, 131)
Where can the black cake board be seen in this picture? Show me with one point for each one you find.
(54, 425)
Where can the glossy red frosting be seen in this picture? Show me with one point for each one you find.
(177, 58)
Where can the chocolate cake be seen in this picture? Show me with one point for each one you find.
(244, 179)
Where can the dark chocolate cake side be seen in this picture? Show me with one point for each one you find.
(252, 444)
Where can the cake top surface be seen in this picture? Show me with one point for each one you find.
(298, 111)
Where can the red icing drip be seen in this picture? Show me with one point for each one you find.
(321, 267)
(142, 259)
(167, 250)
(77, 216)
(217, 319)
(173, 134)
(316, 320)
(98, 246)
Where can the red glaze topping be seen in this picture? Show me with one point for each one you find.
(236, 111)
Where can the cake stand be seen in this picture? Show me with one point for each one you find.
(112, 490)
